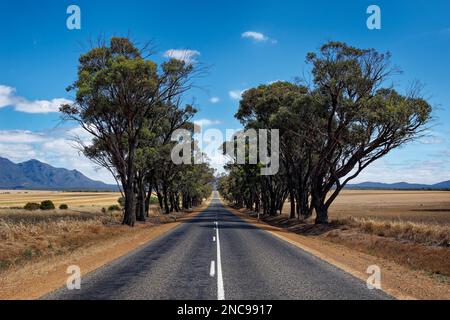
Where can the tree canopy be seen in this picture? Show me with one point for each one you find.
(131, 106)
(329, 132)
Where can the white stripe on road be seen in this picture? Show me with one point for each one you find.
(220, 291)
(214, 239)
(212, 271)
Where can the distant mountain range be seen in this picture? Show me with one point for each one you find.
(400, 186)
(34, 175)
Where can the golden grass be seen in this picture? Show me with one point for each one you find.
(88, 239)
(402, 270)
(428, 234)
(411, 228)
(73, 199)
(29, 236)
(431, 207)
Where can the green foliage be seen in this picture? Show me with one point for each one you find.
(131, 106)
(31, 206)
(154, 200)
(63, 207)
(329, 133)
(47, 205)
(114, 207)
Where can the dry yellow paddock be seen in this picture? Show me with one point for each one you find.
(76, 199)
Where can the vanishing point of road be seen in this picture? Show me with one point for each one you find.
(217, 256)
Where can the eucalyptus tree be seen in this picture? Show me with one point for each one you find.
(333, 130)
(362, 117)
(283, 106)
(119, 91)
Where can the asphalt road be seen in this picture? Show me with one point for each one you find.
(217, 255)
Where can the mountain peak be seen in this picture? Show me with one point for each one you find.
(399, 186)
(34, 174)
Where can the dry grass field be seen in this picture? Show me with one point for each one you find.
(72, 199)
(411, 228)
(29, 236)
(430, 207)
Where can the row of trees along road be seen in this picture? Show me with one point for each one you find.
(131, 106)
(330, 131)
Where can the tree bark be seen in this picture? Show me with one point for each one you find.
(141, 203)
(321, 209)
(166, 199)
(148, 200)
(129, 218)
(292, 200)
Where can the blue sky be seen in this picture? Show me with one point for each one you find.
(38, 60)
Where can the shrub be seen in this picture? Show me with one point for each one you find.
(63, 207)
(31, 206)
(47, 205)
(121, 202)
(114, 207)
(154, 200)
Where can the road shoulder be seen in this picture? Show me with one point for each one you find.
(396, 280)
(38, 279)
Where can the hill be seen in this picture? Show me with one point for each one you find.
(34, 175)
(400, 186)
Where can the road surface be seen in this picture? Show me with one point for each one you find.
(217, 256)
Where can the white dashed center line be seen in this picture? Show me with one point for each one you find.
(212, 271)
(220, 290)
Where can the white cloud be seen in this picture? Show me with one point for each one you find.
(206, 122)
(6, 94)
(8, 97)
(56, 148)
(236, 94)
(444, 153)
(40, 106)
(214, 100)
(188, 56)
(20, 136)
(18, 153)
(425, 171)
(257, 37)
(431, 138)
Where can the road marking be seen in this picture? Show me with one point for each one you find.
(220, 291)
(212, 270)
(214, 239)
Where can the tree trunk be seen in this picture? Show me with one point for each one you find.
(166, 199)
(304, 209)
(141, 202)
(148, 200)
(292, 200)
(257, 204)
(321, 209)
(160, 199)
(129, 218)
(273, 206)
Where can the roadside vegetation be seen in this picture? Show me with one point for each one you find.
(330, 131)
(29, 236)
(131, 106)
(410, 228)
